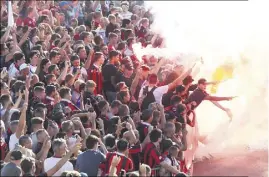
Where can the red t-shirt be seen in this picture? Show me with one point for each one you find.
(4, 149)
(110, 47)
(152, 156)
(96, 75)
(125, 163)
(20, 21)
(29, 22)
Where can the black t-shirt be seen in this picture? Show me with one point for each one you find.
(109, 71)
(198, 96)
(167, 98)
(110, 28)
(121, 78)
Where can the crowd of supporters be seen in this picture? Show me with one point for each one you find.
(76, 100)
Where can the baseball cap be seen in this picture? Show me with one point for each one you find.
(23, 66)
(202, 81)
(16, 155)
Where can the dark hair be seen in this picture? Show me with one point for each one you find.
(97, 55)
(115, 103)
(41, 19)
(37, 47)
(79, 48)
(37, 121)
(23, 140)
(4, 99)
(112, 35)
(16, 87)
(96, 133)
(102, 104)
(119, 86)
(109, 140)
(125, 22)
(39, 89)
(53, 53)
(48, 77)
(121, 95)
(127, 33)
(55, 36)
(15, 116)
(134, 17)
(165, 145)
(97, 40)
(130, 40)
(146, 114)
(91, 141)
(175, 99)
(123, 110)
(64, 91)
(134, 107)
(51, 68)
(18, 56)
(39, 112)
(122, 145)
(74, 57)
(83, 35)
(113, 53)
(27, 164)
(44, 62)
(154, 135)
(121, 45)
(33, 53)
(50, 89)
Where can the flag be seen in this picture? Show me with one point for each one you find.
(10, 14)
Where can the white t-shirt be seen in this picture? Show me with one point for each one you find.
(13, 71)
(126, 15)
(13, 141)
(101, 32)
(169, 162)
(32, 69)
(158, 92)
(49, 163)
(128, 52)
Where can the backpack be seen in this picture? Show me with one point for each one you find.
(148, 99)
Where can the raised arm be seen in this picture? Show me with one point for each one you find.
(179, 80)
(135, 82)
(216, 98)
(89, 60)
(62, 76)
(61, 163)
(5, 36)
(157, 66)
(22, 120)
(24, 37)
